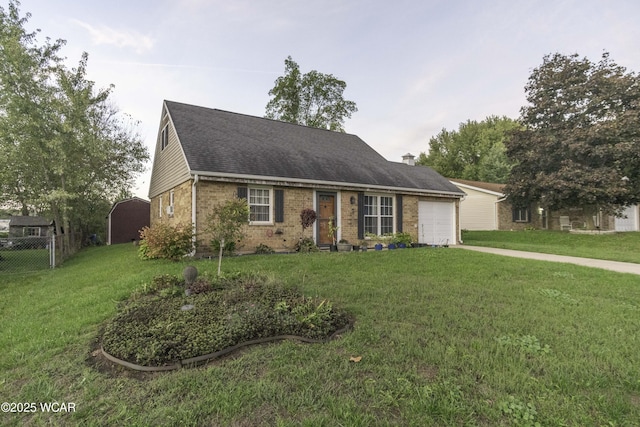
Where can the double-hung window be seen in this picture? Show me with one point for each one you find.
(521, 215)
(378, 214)
(260, 205)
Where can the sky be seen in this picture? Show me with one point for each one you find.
(412, 67)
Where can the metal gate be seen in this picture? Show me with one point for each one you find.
(26, 254)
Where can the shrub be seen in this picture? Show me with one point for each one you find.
(263, 249)
(166, 241)
(200, 286)
(305, 245)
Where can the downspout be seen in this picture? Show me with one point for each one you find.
(496, 211)
(196, 178)
(462, 199)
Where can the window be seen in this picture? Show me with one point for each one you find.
(378, 214)
(520, 215)
(260, 205)
(31, 231)
(171, 198)
(165, 136)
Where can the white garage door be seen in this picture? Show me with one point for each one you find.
(436, 223)
(629, 220)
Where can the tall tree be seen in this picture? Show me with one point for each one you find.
(313, 99)
(68, 148)
(580, 145)
(475, 151)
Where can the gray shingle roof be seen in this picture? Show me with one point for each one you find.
(29, 221)
(216, 141)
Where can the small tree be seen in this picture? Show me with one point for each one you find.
(225, 223)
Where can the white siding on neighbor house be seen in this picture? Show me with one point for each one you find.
(478, 211)
(170, 167)
(436, 223)
(629, 221)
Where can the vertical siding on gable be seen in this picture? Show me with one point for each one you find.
(169, 165)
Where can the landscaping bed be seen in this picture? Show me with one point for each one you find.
(168, 324)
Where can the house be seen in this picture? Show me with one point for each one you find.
(205, 156)
(479, 210)
(485, 208)
(29, 226)
(125, 220)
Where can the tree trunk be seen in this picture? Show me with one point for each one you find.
(220, 255)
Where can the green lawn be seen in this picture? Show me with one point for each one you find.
(447, 337)
(617, 247)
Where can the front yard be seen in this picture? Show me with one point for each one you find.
(441, 337)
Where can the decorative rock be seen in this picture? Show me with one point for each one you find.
(190, 274)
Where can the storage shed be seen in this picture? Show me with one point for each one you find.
(125, 220)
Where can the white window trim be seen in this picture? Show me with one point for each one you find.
(271, 205)
(379, 215)
(164, 137)
(160, 205)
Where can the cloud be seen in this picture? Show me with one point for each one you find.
(122, 38)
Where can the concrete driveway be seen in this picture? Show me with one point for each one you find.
(620, 267)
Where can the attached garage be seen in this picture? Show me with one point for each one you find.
(629, 220)
(437, 223)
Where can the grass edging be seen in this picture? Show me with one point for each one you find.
(193, 361)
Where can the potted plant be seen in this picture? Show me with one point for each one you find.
(403, 240)
(344, 246)
(332, 230)
(364, 245)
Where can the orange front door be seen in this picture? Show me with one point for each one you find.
(326, 211)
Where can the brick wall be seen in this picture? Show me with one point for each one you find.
(279, 236)
(181, 205)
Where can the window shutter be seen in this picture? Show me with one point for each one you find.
(528, 214)
(514, 218)
(242, 193)
(399, 213)
(279, 205)
(360, 215)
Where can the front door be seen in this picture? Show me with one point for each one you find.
(326, 211)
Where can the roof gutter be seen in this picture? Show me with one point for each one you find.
(299, 182)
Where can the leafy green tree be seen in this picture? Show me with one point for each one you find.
(580, 145)
(313, 99)
(475, 151)
(226, 222)
(67, 147)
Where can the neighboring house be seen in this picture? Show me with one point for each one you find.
(480, 207)
(29, 226)
(485, 208)
(125, 220)
(629, 221)
(206, 156)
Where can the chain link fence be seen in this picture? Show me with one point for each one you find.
(26, 254)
